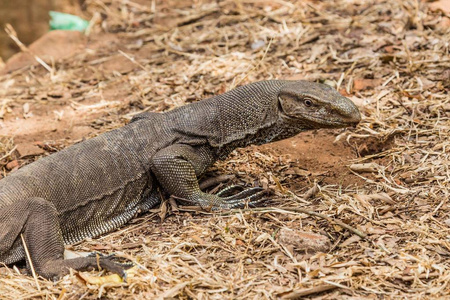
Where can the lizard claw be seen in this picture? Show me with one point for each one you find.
(246, 198)
(247, 195)
(118, 261)
(228, 191)
(243, 203)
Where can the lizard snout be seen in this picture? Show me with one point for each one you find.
(349, 112)
(354, 118)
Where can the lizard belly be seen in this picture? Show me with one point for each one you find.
(105, 191)
(104, 213)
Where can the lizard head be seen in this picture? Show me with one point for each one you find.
(316, 105)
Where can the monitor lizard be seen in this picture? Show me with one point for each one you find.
(99, 184)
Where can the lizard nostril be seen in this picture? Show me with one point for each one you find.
(353, 115)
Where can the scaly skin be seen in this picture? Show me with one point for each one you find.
(98, 185)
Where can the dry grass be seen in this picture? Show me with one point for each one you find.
(390, 57)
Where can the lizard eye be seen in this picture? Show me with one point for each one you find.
(308, 102)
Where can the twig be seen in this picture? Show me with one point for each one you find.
(316, 214)
(215, 180)
(133, 60)
(280, 210)
(255, 67)
(13, 35)
(30, 262)
(311, 192)
(9, 153)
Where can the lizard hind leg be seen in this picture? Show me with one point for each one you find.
(43, 239)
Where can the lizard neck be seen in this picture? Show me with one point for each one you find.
(233, 118)
(278, 131)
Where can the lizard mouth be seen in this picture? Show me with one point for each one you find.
(322, 122)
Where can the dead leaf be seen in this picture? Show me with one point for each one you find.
(26, 150)
(311, 192)
(163, 210)
(354, 238)
(442, 5)
(380, 196)
(100, 280)
(198, 239)
(111, 280)
(362, 84)
(12, 164)
(444, 23)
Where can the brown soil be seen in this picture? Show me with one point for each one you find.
(388, 225)
(320, 157)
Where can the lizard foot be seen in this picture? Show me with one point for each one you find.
(120, 261)
(225, 199)
(55, 269)
(111, 265)
(238, 191)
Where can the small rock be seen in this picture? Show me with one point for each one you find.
(365, 168)
(12, 164)
(304, 241)
(298, 171)
(25, 150)
(258, 44)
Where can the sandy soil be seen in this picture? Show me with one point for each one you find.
(385, 229)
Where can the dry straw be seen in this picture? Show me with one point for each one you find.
(389, 230)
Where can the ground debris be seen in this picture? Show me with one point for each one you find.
(389, 227)
(12, 164)
(304, 241)
(28, 149)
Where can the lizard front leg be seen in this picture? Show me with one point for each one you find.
(177, 167)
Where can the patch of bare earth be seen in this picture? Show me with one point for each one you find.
(355, 213)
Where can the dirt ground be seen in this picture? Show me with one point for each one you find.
(390, 57)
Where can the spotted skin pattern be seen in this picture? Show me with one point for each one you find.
(98, 185)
